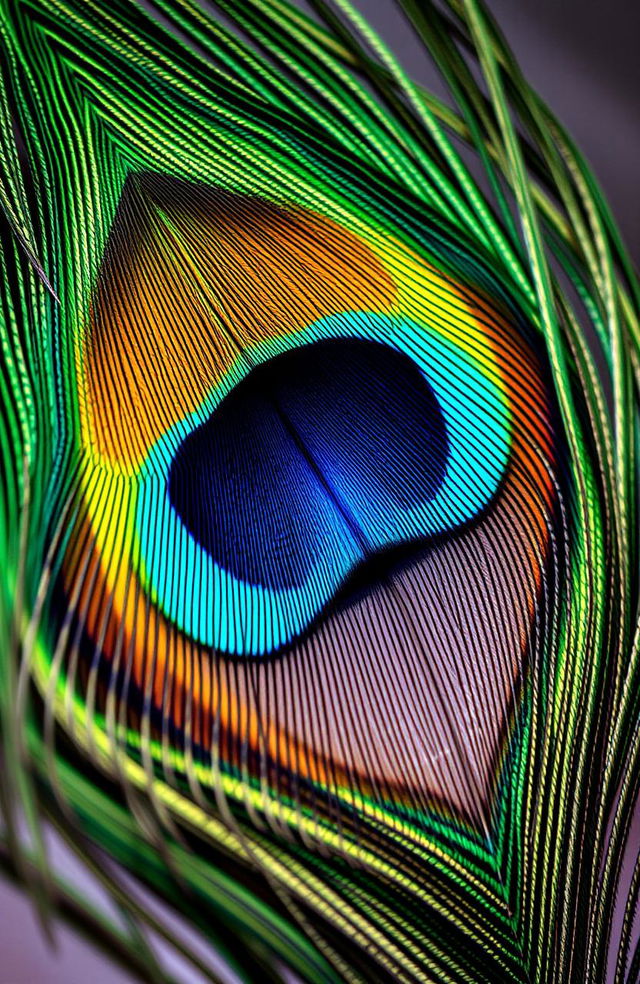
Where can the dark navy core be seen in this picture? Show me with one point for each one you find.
(324, 444)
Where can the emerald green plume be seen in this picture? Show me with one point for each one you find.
(318, 514)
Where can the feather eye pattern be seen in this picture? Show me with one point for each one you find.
(319, 512)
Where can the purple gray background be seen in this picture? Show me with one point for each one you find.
(582, 57)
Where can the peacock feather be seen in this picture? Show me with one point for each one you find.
(318, 511)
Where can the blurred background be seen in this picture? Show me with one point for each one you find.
(582, 57)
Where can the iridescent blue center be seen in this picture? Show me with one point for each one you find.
(341, 434)
(317, 451)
